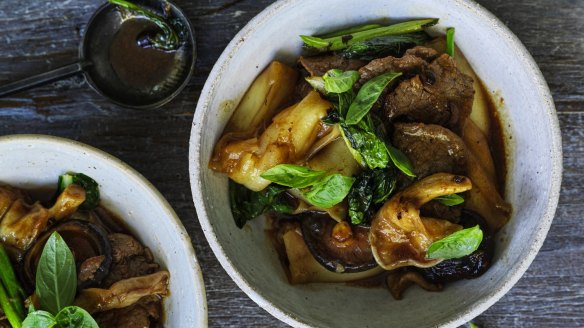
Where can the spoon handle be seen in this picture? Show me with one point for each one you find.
(41, 79)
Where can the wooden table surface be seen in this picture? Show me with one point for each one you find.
(36, 36)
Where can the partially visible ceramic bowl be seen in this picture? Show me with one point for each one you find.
(533, 182)
(33, 161)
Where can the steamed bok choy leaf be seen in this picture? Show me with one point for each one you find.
(349, 30)
(338, 42)
(92, 196)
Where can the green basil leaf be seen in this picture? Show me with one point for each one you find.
(91, 187)
(367, 96)
(247, 205)
(472, 325)
(450, 200)
(332, 118)
(371, 187)
(384, 182)
(56, 277)
(366, 147)
(39, 319)
(293, 176)
(401, 161)
(345, 100)
(458, 244)
(329, 191)
(75, 317)
(317, 82)
(450, 41)
(337, 81)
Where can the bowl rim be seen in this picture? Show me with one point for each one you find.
(117, 164)
(196, 167)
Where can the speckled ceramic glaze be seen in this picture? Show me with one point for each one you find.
(31, 161)
(534, 168)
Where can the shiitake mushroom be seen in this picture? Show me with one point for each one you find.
(337, 246)
(87, 241)
(467, 267)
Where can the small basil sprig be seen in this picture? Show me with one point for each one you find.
(342, 41)
(56, 279)
(367, 96)
(450, 41)
(329, 191)
(366, 147)
(69, 317)
(293, 176)
(92, 196)
(324, 191)
(450, 200)
(401, 161)
(371, 187)
(338, 81)
(56, 286)
(458, 244)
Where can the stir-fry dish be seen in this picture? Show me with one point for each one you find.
(377, 159)
(66, 261)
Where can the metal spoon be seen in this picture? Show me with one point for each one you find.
(116, 67)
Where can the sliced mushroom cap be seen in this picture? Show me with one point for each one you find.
(338, 246)
(399, 236)
(88, 243)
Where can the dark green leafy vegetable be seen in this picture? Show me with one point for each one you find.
(317, 82)
(370, 187)
(246, 205)
(345, 40)
(450, 41)
(91, 187)
(69, 317)
(11, 284)
(294, 176)
(349, 30)
(56, 278)
(171, 30)
(345, 100)
(367, 147)
(338, 81)
(391, 45)
(450, 200)
(367, 96)
(458, 244)
(329, 191)
(472, 325)
(332, 118)
(75, 317)
(39, 319)
(401, 161)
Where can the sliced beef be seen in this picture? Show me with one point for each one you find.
(431, 149)
(89, 268)
(318, 65)
(130, 259)
(144, 314)
(413, 61)
(440, 94)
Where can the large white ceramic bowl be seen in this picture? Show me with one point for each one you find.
(534, 168)
(31, 161)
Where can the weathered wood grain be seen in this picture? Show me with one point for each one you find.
(40, 35)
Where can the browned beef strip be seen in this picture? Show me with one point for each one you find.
(129, 259)
(88, 268)
(143, 314)
(413, 62)
(431, 149)
(441, 95)
(318, 65)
